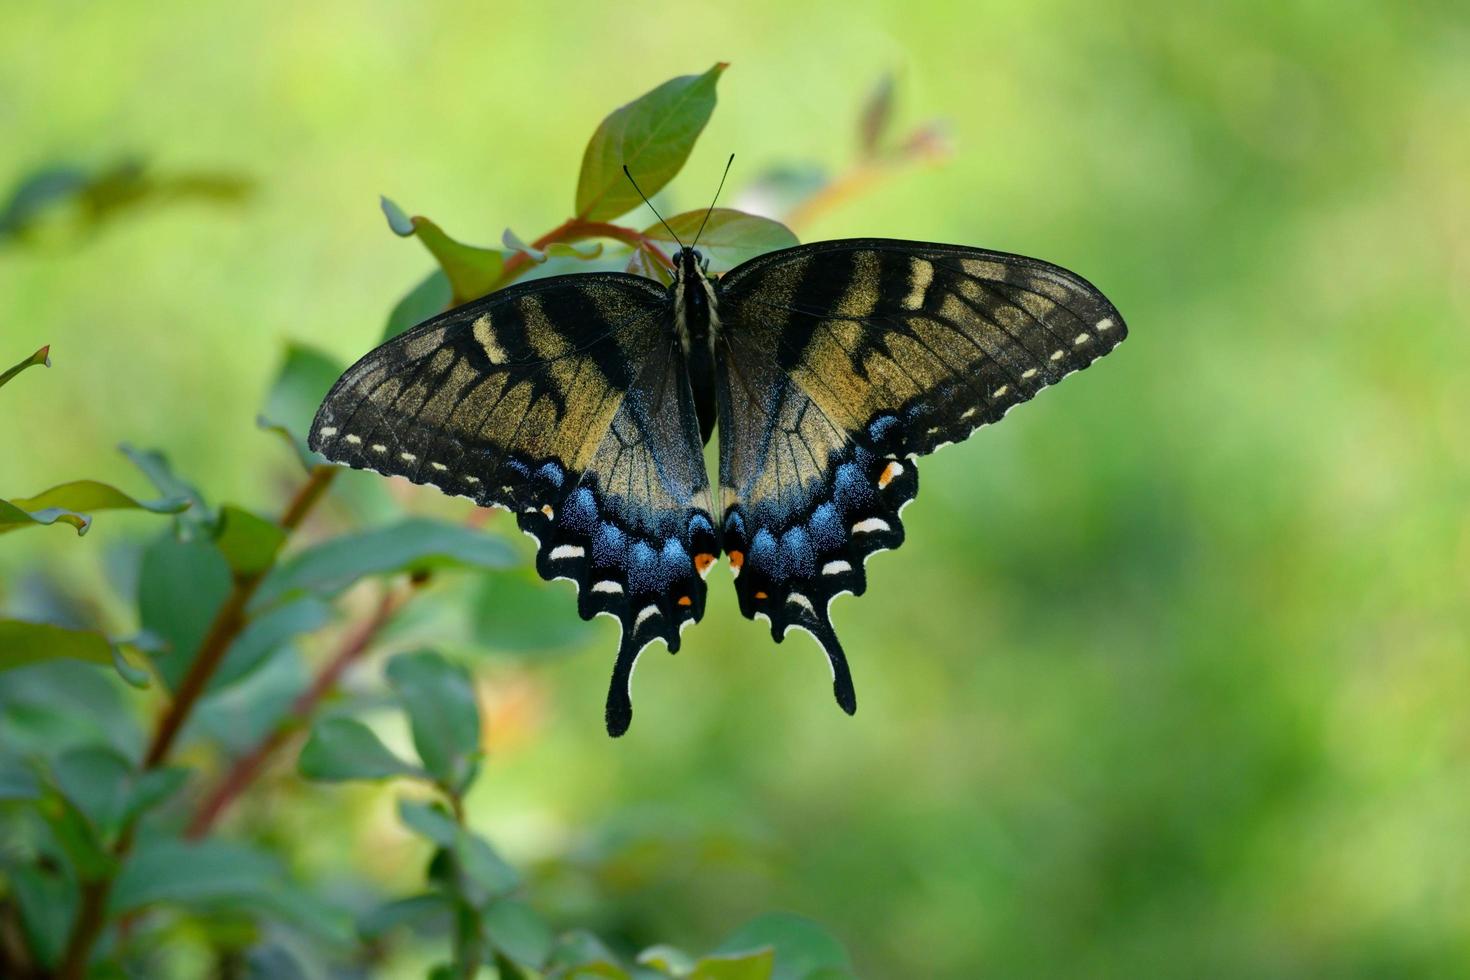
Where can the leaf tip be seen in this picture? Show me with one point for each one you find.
(398, 221)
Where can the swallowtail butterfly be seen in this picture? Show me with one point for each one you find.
(581, 403)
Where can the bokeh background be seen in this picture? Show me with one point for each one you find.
(1171, 676)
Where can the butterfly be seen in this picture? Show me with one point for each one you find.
(582, 403)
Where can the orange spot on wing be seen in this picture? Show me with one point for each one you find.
(736, 559)
(761, 595)
(546, 509)
(889, 472)
(702, 562)
(684, 600)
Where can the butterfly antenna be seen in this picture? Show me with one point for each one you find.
(650, 204)
(712, 203)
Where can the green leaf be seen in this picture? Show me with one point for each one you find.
(440, 700)
(98, 781)
(47, 902)
(240, 715)
(516, 931)
(644, 263)
(69, 503)
(472, 272)
(42, 356)
(155, 466)
(305, 376)
(514, 611)
(667, 959)
(581, 954)
(89, 854)
(23, 643)
(181, 585)
(575, 250)
(345, 748)
(430, 821)
(430, 297)
(486, 874)
(17, 780)
(248, 541)
(729, 238)
(108, 789)
(412, 545)
(414, 911)
(756, 965)
(267, 633)
(652, 136)
(802, 947)
(182, 872)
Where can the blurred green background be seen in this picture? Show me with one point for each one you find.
(1171, 676)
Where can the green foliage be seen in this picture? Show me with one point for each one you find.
(229, 601)
(652, 136)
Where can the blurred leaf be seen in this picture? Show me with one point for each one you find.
(516, 931)
(471, 271)
(513, 242)
(429, 298)
(415, 912)
(182, 872)
(240, 715)
(68, 502)
(92, 197)
(17, 780)
(487, 875)
(248, 541)
(132, 674)
(345, 748)
(49, 707)
(644, 263)
(652, 136)
(36, 192)
(802, 947)
(430, 821)
(23, 643)
(83, 844)
(729, 238)
(305, 376)
(47, 901)
(738, 966)
(674, 962)
(266, 633)
(98, 781)
(413, 545)
(876, 117)
(155, 466)
(181, 585)
(109, 790)
(42, 356)
(440, 700)
(514, 611)
(575, 250)
(581, 954)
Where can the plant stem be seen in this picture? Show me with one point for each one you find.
(577, 230)
(249, 766)
(223, 629)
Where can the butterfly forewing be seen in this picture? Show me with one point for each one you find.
(840, 362)
(562, 401)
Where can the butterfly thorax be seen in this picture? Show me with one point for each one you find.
(696, 325)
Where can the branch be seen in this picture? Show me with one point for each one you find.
(223, 629)
(249, 766)
(577, 230)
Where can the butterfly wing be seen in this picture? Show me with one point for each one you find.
(840, 362)
(564, 401)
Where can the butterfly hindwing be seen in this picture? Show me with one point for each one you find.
(841, 362)
(563, 401)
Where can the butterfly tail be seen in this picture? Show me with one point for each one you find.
(826, 637)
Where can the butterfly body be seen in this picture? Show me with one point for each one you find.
(582, 403)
